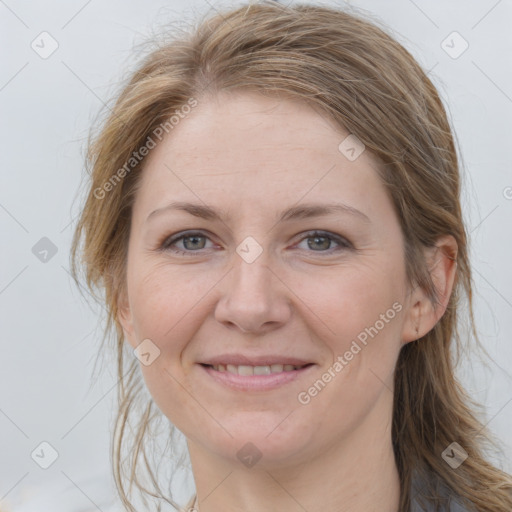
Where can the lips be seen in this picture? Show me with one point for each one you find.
(262, 372)
(246, 379)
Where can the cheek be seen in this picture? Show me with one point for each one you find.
(360, 315)
(343, 302)
(357, 315)
(163, 299)
(165, 309)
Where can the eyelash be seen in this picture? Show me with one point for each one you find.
(165, 245)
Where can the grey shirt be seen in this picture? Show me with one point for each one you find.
(448, 501)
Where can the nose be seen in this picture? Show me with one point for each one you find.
(254, 298)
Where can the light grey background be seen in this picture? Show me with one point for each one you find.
(49, 336)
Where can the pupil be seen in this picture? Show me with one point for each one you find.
(326, 241)
(191, 238)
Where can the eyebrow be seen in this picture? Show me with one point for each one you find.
(302, 211)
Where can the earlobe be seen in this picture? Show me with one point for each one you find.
(413, 327)
(422, 314)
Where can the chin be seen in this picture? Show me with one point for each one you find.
(263, 444)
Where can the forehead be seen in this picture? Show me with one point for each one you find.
(241, 146)
(251, 122)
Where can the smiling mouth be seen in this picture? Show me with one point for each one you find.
(247, 370)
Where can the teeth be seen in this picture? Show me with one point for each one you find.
(255, 370)
(245, 370)
(262, 370)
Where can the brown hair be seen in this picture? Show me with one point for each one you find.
(370, 85)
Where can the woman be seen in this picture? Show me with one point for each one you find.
(274, 216)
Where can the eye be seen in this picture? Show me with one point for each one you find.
(323, 240)
(195, 241)
(192, 242)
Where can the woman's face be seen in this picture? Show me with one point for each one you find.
(256, 284)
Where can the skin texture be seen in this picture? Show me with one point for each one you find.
(253, 157)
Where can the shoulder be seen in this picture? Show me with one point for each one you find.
(430, 494)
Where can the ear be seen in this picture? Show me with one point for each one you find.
(124, 317)
(421, 314)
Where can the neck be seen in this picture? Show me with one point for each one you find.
(355, 474)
